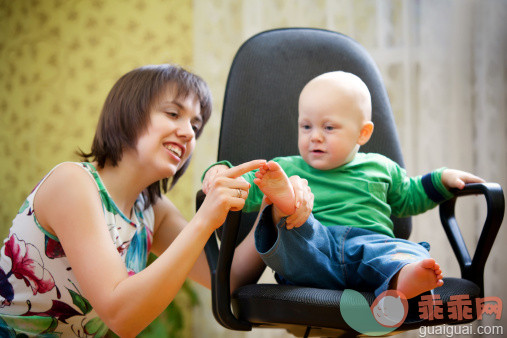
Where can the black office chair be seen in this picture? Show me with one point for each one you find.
(260, 121)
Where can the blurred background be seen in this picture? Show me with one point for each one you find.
(443, 62)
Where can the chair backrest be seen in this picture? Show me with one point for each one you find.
(259, 118)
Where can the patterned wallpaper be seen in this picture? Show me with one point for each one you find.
(58, 60)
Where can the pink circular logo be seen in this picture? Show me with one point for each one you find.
(390, 308)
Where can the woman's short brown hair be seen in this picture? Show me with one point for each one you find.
(126, 113)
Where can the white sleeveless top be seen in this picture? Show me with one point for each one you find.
(39, 294)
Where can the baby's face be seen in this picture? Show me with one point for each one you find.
(330, 124)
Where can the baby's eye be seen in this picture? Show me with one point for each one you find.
(305, 126)
(329, 128)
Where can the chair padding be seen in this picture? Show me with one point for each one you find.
(294, 305)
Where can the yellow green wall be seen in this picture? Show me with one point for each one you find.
(58, 60)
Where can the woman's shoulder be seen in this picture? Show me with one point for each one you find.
(63, 191)
(68, 174)
(64, 168)
(61, 173)
(68, 180)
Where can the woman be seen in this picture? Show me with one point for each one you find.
(74, 262)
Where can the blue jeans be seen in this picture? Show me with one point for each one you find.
(335, 257)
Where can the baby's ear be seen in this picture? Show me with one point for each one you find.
(366, 132)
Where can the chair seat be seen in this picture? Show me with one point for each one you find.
(284, 305)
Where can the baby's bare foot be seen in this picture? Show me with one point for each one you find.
(416, 278)
(274, 183)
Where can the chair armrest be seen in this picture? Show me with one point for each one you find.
(211, 247)
(473, 268)
(220, 261)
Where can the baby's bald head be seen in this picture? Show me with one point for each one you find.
(343, 85)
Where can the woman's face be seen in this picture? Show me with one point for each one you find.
(169, 139)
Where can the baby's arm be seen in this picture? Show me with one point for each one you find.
(452, 178)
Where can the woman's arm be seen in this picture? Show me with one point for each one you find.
(247, 265)
(169, 223)
(125, 304)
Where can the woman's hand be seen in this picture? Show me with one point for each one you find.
(226, 191)
(304, 202)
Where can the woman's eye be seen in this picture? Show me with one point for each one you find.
(172, 114)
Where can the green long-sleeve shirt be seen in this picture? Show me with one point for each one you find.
(362, 193)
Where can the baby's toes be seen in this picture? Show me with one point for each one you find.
(428, 263)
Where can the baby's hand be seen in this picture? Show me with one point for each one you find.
(304, 202)
(452, 178)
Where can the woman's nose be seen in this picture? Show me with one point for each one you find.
(185, 130)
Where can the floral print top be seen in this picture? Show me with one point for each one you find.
(39, 294)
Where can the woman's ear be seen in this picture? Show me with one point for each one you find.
(365, 134)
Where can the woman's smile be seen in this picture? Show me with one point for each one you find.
(175, 149)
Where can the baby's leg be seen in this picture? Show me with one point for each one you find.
(418, 277)
(274, 183)
(390, 263)
(302, 256)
